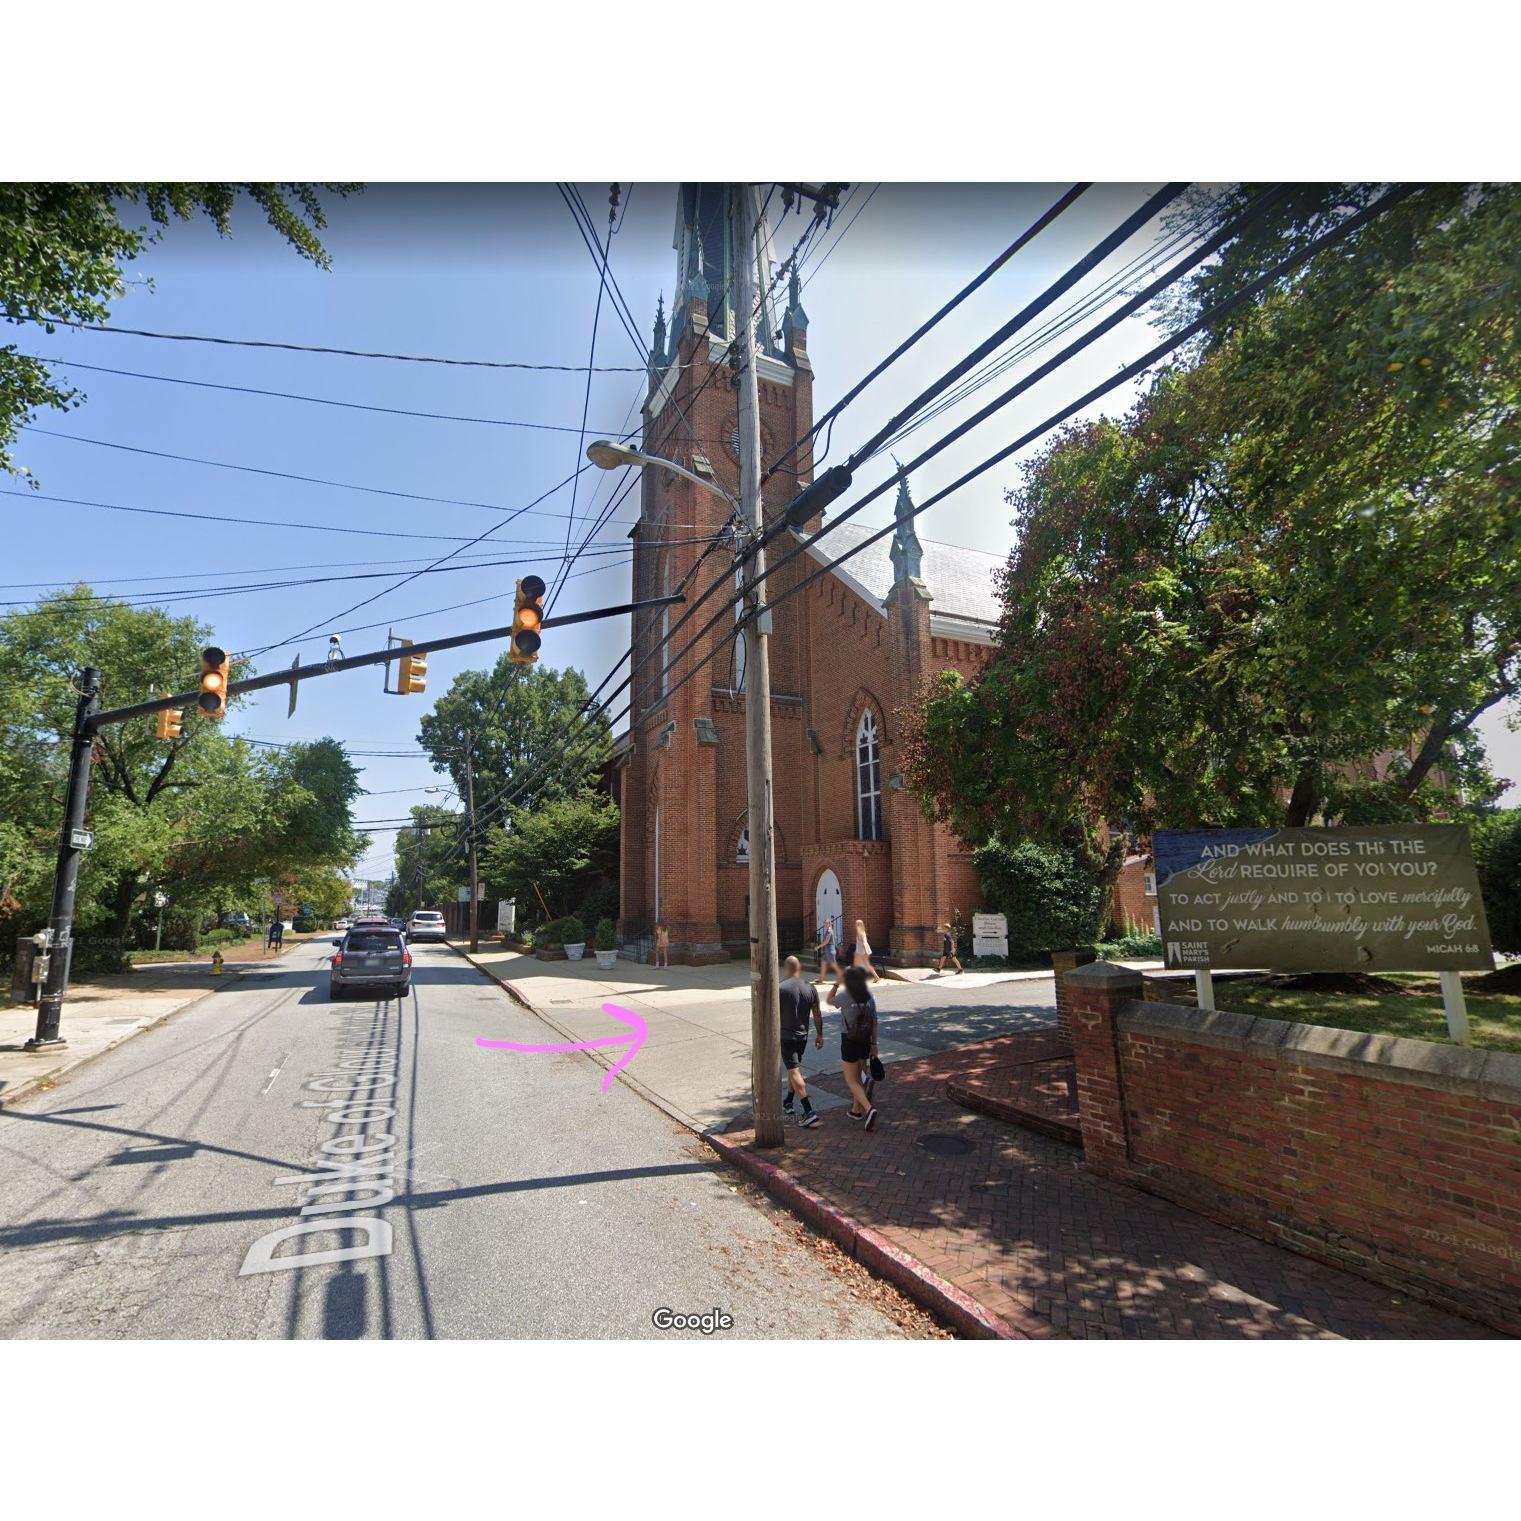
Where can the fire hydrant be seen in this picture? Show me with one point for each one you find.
(216, 963)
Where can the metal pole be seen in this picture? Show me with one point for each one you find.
(475, 913)
(72, 843)
(765, 1009)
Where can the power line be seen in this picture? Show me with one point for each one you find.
(1128, 372)
(321, 401)
(311, 480)
(306, 348)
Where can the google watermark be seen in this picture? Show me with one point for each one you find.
(705, 1321)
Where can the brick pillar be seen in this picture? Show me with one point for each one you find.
(1095, 995)
(1063, 962)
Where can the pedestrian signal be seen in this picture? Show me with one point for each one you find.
(527, 619)
(413, 674)
(171, 723)
(213, 698)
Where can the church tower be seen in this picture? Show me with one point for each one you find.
(684, 835)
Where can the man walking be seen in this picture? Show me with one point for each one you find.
(947, 948)
(799, 999)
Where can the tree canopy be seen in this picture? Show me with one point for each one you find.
(548, 855)
(63, 246)
(1285, 585)
(204, 818)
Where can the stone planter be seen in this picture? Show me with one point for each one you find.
(607, 960)
(576, 952)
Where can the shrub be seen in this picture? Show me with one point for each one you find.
(1497, 855)
(302, 926)
(1051, 903)
(549, 933)
(572, 931)
(606, 937)
(1130, 947)
(599, 904)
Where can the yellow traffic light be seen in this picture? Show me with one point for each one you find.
(527, 619)
(214, 669)
(171, 723)
(413, 673)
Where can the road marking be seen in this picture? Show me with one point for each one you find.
(279, 1065)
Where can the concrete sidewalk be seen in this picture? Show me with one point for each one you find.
(96, 1016)
(696, 1062)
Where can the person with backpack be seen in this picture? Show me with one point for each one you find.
(799, 999)
(858, 1042)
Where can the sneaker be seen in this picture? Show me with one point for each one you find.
(787, 1104)
(855, 1116)
(810, 1117)
(871, 1119)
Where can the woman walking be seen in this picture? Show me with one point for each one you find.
(858, 1041)
(861, 956)
(662, 945)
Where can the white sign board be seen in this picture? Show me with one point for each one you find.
(507, 916)
(990, 935)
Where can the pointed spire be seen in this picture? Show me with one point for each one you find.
(796, 316)
(657, 347)
(906, 554)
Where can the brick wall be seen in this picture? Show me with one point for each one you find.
(1397, 1159)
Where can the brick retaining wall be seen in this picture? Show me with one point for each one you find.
(1399, 1159)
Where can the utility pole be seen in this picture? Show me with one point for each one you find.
(475, 912)
(74, 840)
(765, 1009)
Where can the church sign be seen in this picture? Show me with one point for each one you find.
(990, 935)
(1370, 899)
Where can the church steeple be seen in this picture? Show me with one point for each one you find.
(906, 554)
(705, 264)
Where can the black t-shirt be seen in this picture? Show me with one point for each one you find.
(799, 998)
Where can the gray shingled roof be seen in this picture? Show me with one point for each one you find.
(960, 580)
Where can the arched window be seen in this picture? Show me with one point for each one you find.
(742, 855)
(663, 655)
(868, 778)
(740, 647)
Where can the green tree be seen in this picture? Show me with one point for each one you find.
(1497, 858)
(430, 860)
(1286, 585)
(203, 818)
(1048, 898)
(531, 729)
(63, 246)
(549, 855)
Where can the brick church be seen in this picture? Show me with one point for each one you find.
(845, 654)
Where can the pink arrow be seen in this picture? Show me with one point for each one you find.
(633, 1040)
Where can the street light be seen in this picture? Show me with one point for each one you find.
(606, 455)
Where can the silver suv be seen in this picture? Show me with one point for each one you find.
(371, 959)
(426, 924)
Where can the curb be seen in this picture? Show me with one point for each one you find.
(871, 1248)
(32, 1084)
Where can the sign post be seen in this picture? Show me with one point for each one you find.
(1359, 899)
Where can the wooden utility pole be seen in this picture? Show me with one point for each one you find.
(475, 910)
(765, 1009)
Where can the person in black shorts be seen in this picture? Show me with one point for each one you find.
(947, 948)
(858, 1041)
(799, 999)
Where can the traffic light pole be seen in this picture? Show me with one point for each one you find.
(765, 1007)
(89, 720)
(72, 843)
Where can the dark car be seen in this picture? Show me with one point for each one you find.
(371, 959)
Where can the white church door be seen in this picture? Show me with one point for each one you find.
(828, 905)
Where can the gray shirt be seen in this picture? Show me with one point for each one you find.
(799, 998)
(858, 1017)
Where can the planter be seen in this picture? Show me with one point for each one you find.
(550, 953)
(607, 960)
(577, 951)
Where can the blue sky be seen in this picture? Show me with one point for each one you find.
(490, 273)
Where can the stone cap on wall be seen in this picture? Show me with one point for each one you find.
(1108, 975)
(1492, 1075)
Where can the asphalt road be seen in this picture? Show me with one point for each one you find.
(140, 1196)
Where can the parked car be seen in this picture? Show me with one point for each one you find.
(341, 924)
(371, 958)
(398, 924)
(239, 921)
(426, 924)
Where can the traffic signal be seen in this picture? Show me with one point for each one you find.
(527, 619)
(413, 674)
(213, 698)
(171, 723)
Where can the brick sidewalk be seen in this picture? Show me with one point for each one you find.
(1019, 1224)
(1026, 1080)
